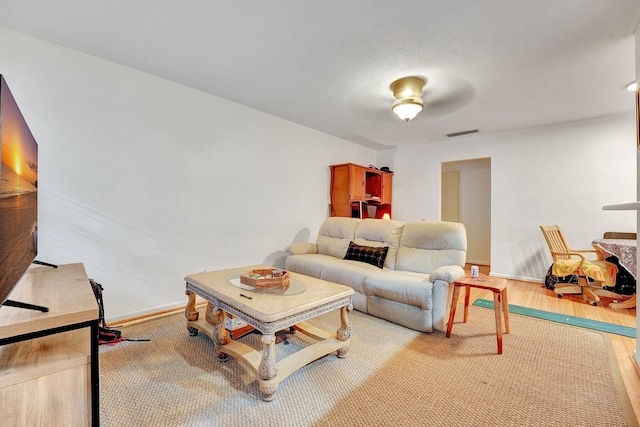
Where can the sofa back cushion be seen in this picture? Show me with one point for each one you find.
(427, 245)
(335, 234)
(378, 233)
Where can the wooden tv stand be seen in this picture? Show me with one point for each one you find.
(49, 368)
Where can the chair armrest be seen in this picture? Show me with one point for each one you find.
(583, 250)
(447, 273)
(570, 254)
(597, 254)
(302, 248)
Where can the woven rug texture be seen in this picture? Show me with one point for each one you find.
(549, 375)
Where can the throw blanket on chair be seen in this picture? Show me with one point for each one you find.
(601, 271)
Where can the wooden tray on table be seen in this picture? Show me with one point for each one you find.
(266, 278)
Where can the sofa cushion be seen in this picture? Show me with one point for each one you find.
(379, 233)
(299, 248)
(335, 234)
(348, 272)
(404, 287)
(309, 264)
(427, 245)
(368, 254)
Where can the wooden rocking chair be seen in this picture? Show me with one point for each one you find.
(574, 259)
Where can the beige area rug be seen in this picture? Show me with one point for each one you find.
(549, 375)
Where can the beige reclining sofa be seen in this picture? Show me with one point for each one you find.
(410, 284)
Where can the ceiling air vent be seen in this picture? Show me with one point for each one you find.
(464, 132)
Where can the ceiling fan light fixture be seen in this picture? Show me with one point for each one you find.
(407, 109)
(408, 92)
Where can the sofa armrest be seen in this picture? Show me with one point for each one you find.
(302, 248)
(447, 273)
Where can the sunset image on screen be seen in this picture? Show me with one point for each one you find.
(18, 193)
(19, 149)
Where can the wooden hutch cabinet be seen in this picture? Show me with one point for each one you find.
(355, 188)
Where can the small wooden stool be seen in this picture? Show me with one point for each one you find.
(500, 301)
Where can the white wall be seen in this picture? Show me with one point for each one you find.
(561, 174)
(146, 181)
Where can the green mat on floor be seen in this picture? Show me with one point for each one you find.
(563, 318)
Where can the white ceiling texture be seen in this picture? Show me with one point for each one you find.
(491, 65)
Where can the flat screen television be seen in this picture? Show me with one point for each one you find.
(18, 197)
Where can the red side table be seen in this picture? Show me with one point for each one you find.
(500, 301)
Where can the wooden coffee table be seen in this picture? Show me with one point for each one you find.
(268, 312)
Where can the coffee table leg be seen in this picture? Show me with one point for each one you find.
(268, 368)
(344, 333)
(220, 334)
(190, 312)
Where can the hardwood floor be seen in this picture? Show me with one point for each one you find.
(534, 295)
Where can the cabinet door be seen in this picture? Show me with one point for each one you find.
(340, 191)
(387, 186)
(358, 177)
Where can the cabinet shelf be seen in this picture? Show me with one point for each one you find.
(22, 362)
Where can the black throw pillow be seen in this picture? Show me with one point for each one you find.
(368, 254)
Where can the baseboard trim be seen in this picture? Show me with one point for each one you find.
(154, 313)
(479, 263)
(522, 279)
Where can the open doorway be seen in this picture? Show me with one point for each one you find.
(466, 198)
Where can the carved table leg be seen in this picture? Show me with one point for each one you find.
(191, 313)
(221, 334)
(268, 368)
(344, 332)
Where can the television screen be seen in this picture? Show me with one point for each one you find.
(18, 193)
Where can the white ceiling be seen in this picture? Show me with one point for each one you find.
(491, 65)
